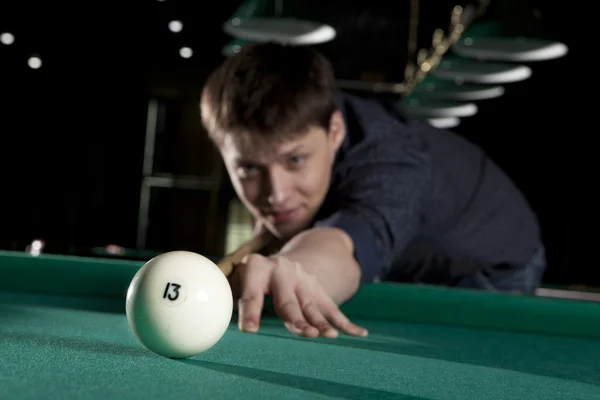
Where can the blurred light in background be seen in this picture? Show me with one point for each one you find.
(185, 52)
(34, 62)
(7, 38)
(175, 26)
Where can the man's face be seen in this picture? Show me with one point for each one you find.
(284, 188)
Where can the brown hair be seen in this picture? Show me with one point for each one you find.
(268, 93)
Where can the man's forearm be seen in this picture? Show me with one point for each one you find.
(328, 254)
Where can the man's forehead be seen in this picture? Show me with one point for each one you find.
(256, 150)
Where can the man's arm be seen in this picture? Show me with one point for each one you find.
(379, 202)
(328, 255)
(358, 241)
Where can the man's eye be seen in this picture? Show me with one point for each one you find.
(247, 170)
(297, 160)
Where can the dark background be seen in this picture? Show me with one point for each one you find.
(72, 132)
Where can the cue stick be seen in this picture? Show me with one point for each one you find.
(257, 243)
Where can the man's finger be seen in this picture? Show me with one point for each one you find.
(250, 309)
(254, 281)
(312, 313)
(340, 321)
(287, 305)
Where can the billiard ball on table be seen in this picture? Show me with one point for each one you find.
(179, 304)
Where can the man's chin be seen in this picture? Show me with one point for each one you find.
(289, 229)
(285, 230)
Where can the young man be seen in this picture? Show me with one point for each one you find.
(357, 192)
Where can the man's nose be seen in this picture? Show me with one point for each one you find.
(278, 187)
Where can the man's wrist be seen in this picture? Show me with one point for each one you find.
(326, 254)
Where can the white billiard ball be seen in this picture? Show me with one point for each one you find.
(179, 304)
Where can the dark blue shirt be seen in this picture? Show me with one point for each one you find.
(420, 203)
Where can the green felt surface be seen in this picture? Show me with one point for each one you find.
(60, 352)
(109, 278)
(64, 334)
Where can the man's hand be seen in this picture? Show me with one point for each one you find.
(298, 298)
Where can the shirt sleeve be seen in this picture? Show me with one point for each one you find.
(378, 203)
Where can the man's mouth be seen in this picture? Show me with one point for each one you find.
(284, 216)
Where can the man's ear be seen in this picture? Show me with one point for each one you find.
(337, 130)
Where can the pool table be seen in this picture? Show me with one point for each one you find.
(64, 335)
